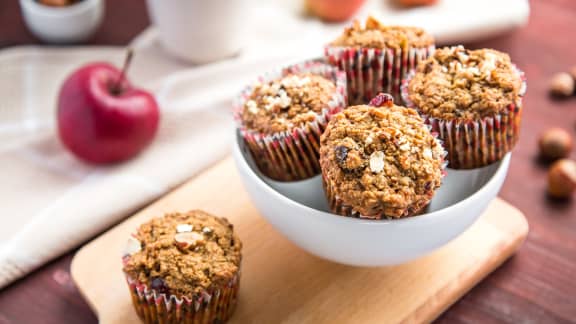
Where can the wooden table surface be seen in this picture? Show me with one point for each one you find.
(537, 285)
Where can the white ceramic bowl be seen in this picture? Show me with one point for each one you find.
(299, 211)
(69, 24)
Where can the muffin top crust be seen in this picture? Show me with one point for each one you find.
(457, 83)
(381, 160)
(286, 103)
(377, 35)
(183, 253)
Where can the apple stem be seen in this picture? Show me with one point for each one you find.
(127, 61)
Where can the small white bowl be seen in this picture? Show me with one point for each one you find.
(68, 24)
(299, 211)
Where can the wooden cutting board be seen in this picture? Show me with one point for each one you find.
(283, 284)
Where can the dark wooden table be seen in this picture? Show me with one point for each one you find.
(538, 285)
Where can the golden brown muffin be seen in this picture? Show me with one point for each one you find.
(380, 162)
(473, 99)
(376, 57)
(281, 117)
(191, 256)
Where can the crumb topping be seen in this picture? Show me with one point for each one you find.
(286, 103)
(381, 160)
(184, 253)
(459, 83)
(377, 35)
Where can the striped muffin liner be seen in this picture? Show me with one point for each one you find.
(475, 143)
(215, 306)
(370, 71)
(339, 207)
(292, 155)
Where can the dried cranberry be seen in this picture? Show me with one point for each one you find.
(159, 285)
(341, 153)
(382, 99)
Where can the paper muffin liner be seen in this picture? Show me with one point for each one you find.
(475, 143)
(214, 306)
(339, 207)
(370, 71)
(292, 155)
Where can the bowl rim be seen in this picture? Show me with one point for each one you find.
(427, 217)
(80, 7)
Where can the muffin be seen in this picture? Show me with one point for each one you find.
(184, 267)
(473, 99)
(282, 115)
(376, 57)
(380, 161)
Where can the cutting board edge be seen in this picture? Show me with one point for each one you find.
(517, 233)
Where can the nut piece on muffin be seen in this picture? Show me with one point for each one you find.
(472, 98)
(190, 262)
(380, 162)
(281, 118)
(376, 57)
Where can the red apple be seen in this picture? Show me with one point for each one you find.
(102, 118)
(334, 10)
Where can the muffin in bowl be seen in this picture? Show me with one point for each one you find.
(376, 57)
(380, 161)
(282, 115)
(473, 99)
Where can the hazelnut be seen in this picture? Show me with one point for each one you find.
(562, 178)
(573, 72)
(562, 85)
(555, 143)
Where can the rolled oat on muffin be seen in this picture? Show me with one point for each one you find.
(376, 57)
(380, 161)
(473, 99)
(282, 116)
(184, 268)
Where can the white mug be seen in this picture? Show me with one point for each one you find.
(200, 31)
